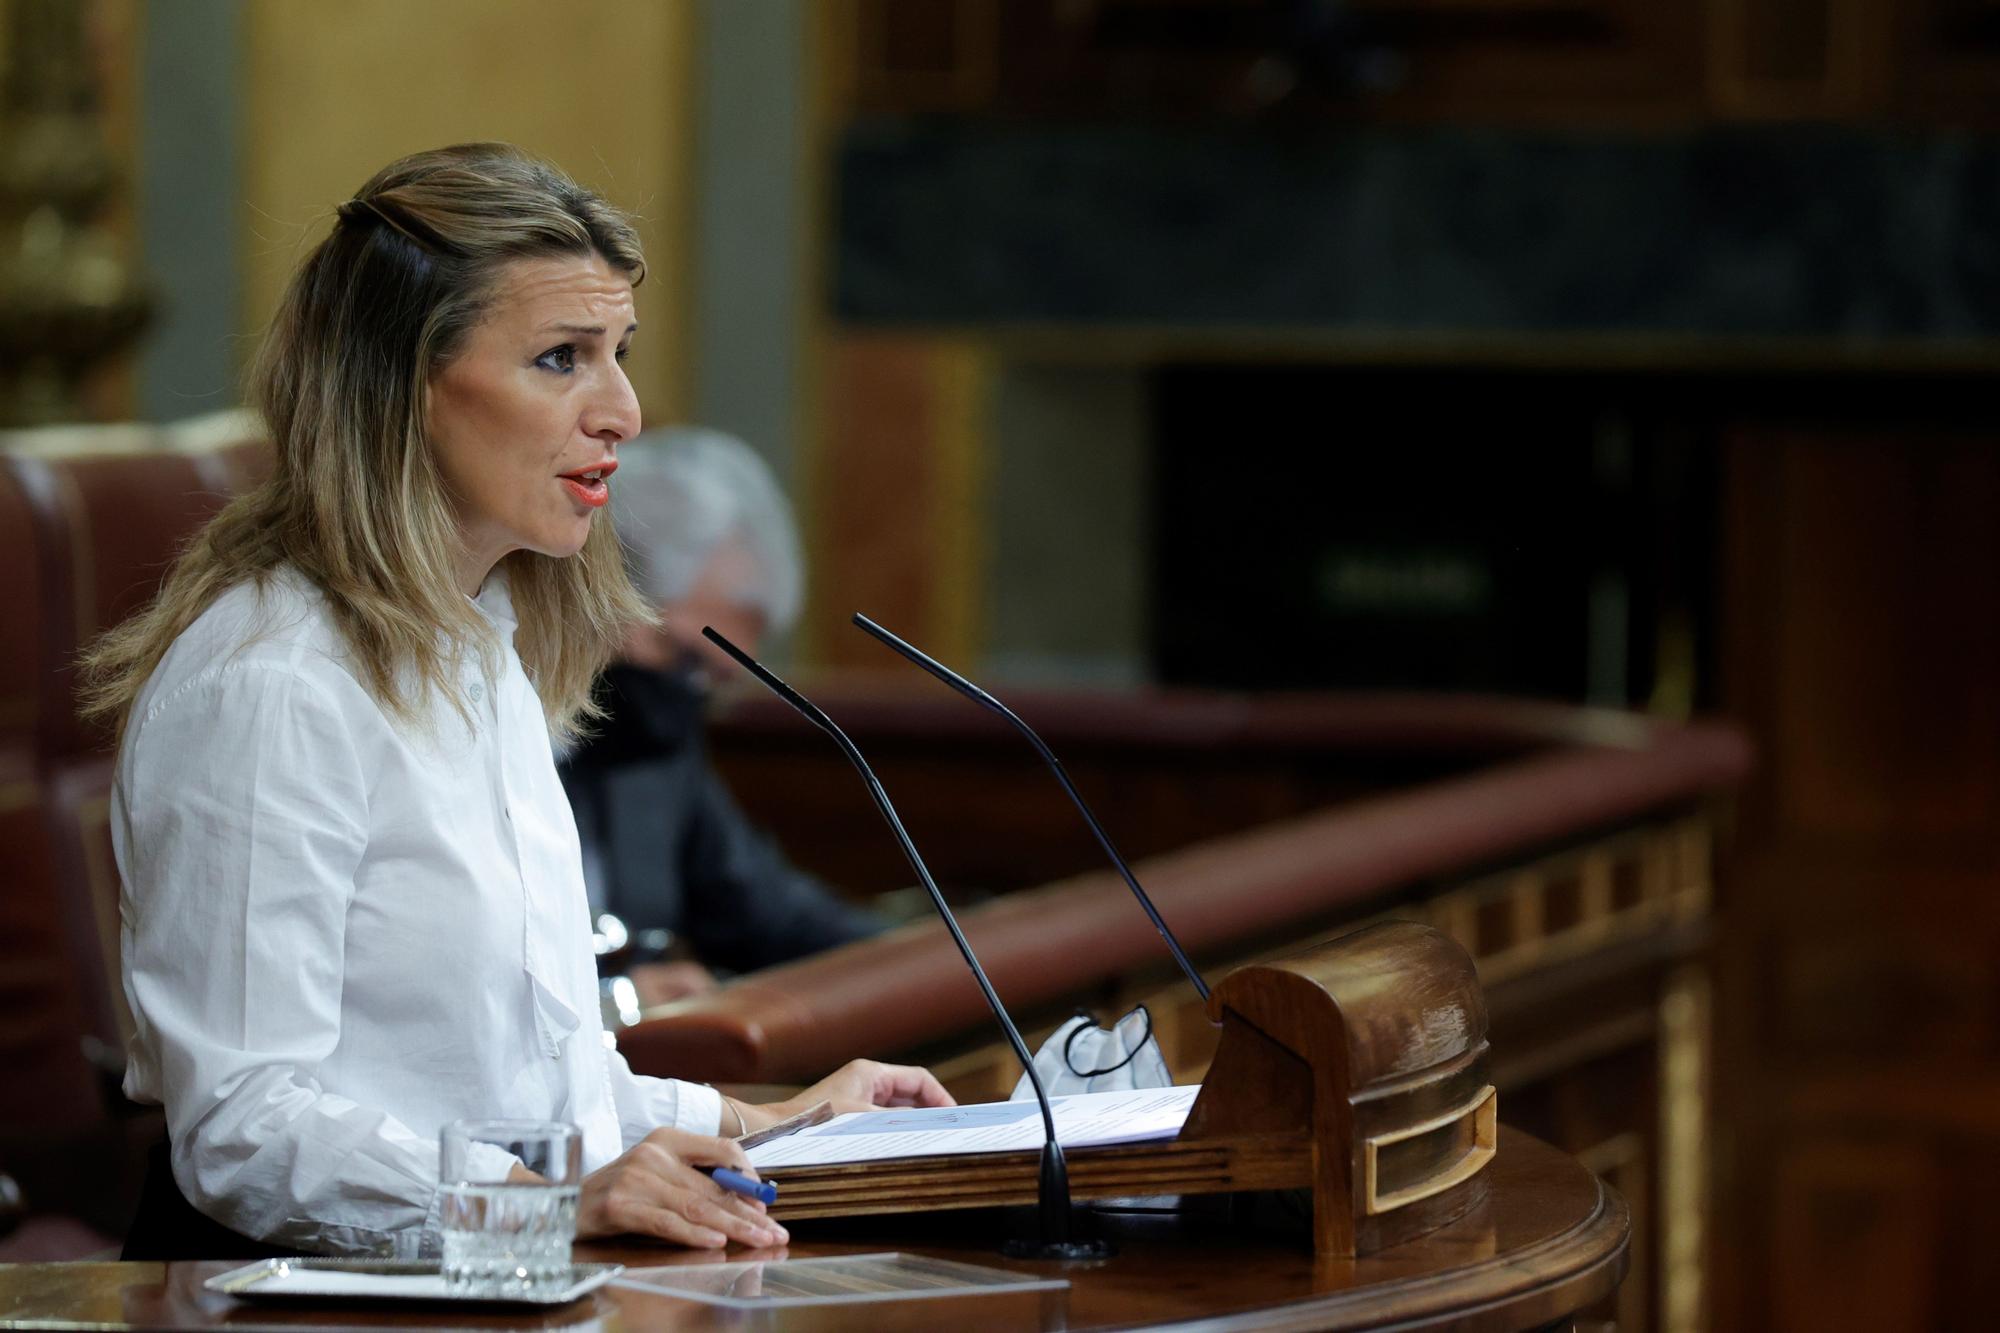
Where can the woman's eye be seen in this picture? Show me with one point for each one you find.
(561, 359)
(624, 352)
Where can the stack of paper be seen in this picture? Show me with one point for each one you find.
(1085, 1120)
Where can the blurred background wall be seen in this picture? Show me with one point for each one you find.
(1632, 352)
(330, 93)
(259, 118)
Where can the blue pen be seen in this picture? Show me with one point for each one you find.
(737, 1183)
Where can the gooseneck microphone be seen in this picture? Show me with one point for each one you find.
(1052, 1190)
(985, 700)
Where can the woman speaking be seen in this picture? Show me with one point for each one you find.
(353, 907)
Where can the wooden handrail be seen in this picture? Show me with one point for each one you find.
(908, 988)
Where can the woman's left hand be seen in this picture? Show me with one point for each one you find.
(858, 1085)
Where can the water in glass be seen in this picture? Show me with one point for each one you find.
(508, 1205)
(508, 1239)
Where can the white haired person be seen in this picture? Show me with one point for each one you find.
(709, 538)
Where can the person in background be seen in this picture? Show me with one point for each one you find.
(709, 538)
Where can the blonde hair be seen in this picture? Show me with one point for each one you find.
(356, 503)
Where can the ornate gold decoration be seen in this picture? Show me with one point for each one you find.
(1684, 1044)
(68, 300)
(1481, 1116)
(1621, 1160)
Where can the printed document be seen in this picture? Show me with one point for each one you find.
(1083, 1120)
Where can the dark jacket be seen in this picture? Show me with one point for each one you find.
(667, 847)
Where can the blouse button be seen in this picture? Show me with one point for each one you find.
(477, 691)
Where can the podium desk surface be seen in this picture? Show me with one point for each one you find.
(1549, 1239)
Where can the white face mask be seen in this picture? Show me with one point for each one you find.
(1082, 1057)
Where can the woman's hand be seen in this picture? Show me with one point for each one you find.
(858, 1085)
(656, 1190)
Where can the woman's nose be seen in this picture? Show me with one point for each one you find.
(613, 413)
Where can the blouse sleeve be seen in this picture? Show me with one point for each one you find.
(646, 1103)
(243, 816)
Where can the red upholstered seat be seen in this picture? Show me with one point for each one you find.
(45, 1083)
(111, 510)
(91, 519)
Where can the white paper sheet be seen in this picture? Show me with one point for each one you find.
(1084, 1120)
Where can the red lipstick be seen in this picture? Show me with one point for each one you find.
(591, 485)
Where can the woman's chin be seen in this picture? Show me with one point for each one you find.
(561, 545)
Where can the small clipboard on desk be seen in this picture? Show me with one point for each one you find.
(816, 1114)
(1356, 1070)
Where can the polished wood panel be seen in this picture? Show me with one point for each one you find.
(1627, 63)
(1791, 59)
(892, 488)
(1356, 1070)
(1549, 1240)
(1948, 63)
(1163, 769)
(1859, 1130)
(1212, 1165)
(1173, 58)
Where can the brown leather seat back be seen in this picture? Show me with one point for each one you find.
(109, 509)
(20, 645)
(45, 1083)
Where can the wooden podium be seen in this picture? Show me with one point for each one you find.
(1356, 1070)
(1549, 1240)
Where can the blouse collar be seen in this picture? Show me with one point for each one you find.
(496, 602)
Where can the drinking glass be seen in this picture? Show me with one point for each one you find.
(506, 1237)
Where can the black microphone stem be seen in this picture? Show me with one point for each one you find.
(1053, 1189)
(985, 700)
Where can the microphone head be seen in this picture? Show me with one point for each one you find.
(923, 659)
(742, 658)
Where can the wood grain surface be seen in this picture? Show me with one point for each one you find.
(1549, 1239)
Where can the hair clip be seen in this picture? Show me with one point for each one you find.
(356, 206)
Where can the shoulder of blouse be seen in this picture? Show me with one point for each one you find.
(280, 624)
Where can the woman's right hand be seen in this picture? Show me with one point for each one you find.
(656, 1190)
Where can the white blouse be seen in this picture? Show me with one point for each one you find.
(341, 933)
